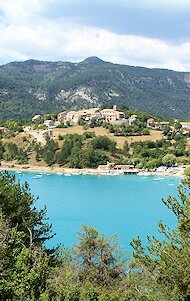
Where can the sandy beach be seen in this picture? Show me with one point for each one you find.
(161, 171)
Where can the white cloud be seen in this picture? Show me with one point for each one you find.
(157, 3)
(26, 34)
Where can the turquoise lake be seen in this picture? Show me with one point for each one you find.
(125, 205)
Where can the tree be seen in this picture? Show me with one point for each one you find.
(187, 171)
(103, 142)
(23, 271)
(49, 152)
(98, 258)
(24, 262)
(71, 141)
(17, 205)
(93, 158)
(177, 125)
(76, 158)
(13, 125)
(162, 268)
(126, 148)
(1, 150)
(169, 160)
(166, 130)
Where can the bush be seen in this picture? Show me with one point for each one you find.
(169, 160)
(105, 143)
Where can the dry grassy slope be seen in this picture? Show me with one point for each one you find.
(154, 135)
(18, 139)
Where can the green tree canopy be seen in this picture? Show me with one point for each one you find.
(17, 205)
(104, 142)
(162, 268)
(169, 160)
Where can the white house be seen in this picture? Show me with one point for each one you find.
(49, 123)
(34, 118)
(112, 115)
(132, 119)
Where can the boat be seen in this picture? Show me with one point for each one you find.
(37, 177)
(158, 179)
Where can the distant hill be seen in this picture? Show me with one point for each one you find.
(36, 87)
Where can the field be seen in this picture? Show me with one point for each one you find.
(154, 135)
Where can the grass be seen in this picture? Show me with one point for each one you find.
(99, 131)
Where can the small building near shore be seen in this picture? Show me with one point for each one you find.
(116, 167)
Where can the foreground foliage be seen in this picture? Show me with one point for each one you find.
(163, 267)
(95, 269)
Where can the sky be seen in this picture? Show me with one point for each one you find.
(150, 33)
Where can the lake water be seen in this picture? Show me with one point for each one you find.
(125, 205)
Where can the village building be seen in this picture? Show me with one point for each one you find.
(49, 123)
(27, 129)
(111, 115)
(88, 114)
(45, 134)
(132, 119)
(36, 117)
(159, 125)
(3, 129)
(70, 116)
(113, 167)
(62, 116)
(151, 123)
(186, 126)
(73, 117)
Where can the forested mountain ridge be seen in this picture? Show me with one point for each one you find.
(34, 87)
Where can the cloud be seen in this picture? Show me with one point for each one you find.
(168, 20)
(58, 30)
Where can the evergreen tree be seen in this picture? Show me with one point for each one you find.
(162, 269)
(17, 205)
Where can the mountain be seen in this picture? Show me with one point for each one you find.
(36, 87)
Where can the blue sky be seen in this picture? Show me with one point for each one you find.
(152, 33)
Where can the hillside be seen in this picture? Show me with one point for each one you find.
(31, 87)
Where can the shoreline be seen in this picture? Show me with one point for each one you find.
(170, 172)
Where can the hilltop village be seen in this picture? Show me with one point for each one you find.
(106, 139)
(96, 117)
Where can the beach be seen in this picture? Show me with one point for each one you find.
(160, 171)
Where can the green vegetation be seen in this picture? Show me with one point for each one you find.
(12, 152)
(187, 172)
(95, 269)
(89, 150)
(77, 154)
(128, 130)
(149, 154)
(24, 85)
(23, 231)
(163, 266)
